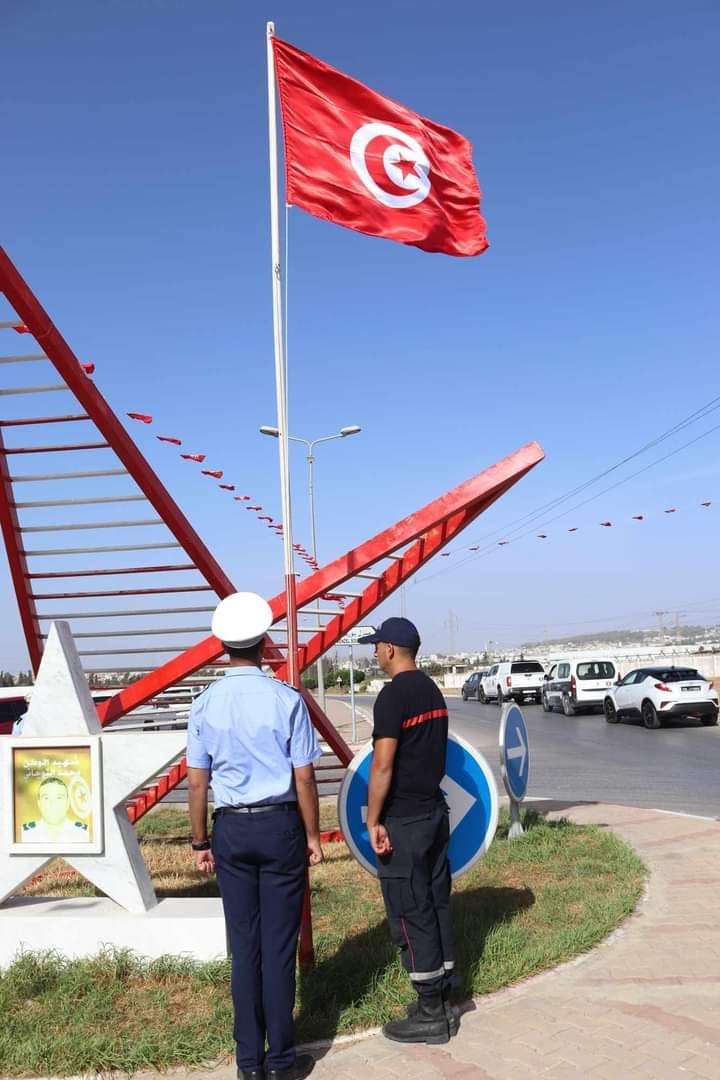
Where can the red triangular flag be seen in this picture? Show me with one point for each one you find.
(227, 487)
(170, 439)
(193, 457)
(141, 417)
(217, 474)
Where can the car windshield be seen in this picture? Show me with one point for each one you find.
(596, 669)
(680, 674)
(524, 667)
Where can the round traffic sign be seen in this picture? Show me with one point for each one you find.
(514, 752)
(469, 789)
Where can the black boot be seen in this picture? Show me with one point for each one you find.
(251, 1074)
(303, 1066)
(429, 1024)
(452, 1014)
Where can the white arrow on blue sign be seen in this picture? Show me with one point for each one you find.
(469, 789)
(514, 752)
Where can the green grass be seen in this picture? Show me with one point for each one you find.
(529, 905)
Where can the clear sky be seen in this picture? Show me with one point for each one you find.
(134, 198)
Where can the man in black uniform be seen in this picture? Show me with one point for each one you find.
(409, 830)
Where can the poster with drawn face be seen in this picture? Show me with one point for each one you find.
(55, 792)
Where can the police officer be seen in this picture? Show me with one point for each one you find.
(409, 830)
(250, 737)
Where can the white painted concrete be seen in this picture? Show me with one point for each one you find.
(81, 926)
(62, 705)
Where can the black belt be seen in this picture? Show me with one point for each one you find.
(263, 808)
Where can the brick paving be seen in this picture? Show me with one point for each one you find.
(646, 1003)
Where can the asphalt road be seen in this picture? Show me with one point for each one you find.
(585, 758)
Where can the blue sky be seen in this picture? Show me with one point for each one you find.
(134, 198)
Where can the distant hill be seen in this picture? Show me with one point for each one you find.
(627, 637)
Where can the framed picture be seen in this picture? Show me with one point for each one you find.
(53, 796)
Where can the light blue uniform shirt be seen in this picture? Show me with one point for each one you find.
(250, 731)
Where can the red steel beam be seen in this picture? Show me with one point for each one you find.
(66, 363)
(18, 564)
(459, 507)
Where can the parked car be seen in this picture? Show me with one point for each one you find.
(471, 686)
(13, 705)
(520, 680)
(654, 693)
(578, 682)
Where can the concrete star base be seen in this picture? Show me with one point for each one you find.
(81, 926)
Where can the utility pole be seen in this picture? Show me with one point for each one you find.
(452, 628)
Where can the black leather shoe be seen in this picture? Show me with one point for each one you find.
(428, 1024)
(251, 1074)
(304, 1065)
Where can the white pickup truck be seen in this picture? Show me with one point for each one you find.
(521, 680)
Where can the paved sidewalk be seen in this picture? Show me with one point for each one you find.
(644, 1004)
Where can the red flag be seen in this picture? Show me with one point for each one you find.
(170, 439)
(89, 369)
(241, 498)
(141, 417)
(21, 329)
(193, 457)
(227, 487)
(363, 161)
(217, 474)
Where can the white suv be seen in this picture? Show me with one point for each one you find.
(578, 682)
(521, 680)
(652, 693)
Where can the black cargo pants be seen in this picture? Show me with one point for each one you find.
(415, 882)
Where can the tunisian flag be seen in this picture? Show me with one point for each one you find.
(361, 160)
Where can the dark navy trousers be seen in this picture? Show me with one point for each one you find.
(260, 862)
(415, 882)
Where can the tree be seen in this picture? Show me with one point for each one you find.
(309, 680)
(25, 678)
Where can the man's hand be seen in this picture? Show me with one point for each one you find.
(380, 839)
(204, 862)
(315, 854)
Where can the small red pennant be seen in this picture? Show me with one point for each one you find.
(217, 474)
(88, 368)
(141, 417)
(170, 439)
(227, 487)
(21, 329)
(193, 457)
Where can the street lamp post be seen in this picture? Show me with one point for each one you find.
(352, 429)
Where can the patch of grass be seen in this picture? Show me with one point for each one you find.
(529, 905)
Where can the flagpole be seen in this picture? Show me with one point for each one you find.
(280, 373)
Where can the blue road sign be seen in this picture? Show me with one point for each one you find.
(469, 788)
(514, 752)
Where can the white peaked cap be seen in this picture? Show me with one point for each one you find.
(242, 619)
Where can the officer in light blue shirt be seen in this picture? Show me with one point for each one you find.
(250, 738)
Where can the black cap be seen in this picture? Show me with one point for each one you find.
(395, 631)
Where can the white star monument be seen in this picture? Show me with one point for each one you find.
(65, 782)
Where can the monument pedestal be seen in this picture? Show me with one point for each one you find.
(81, 926)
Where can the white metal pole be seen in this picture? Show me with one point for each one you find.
(313, 548)
(280, 374)
(352, 695)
